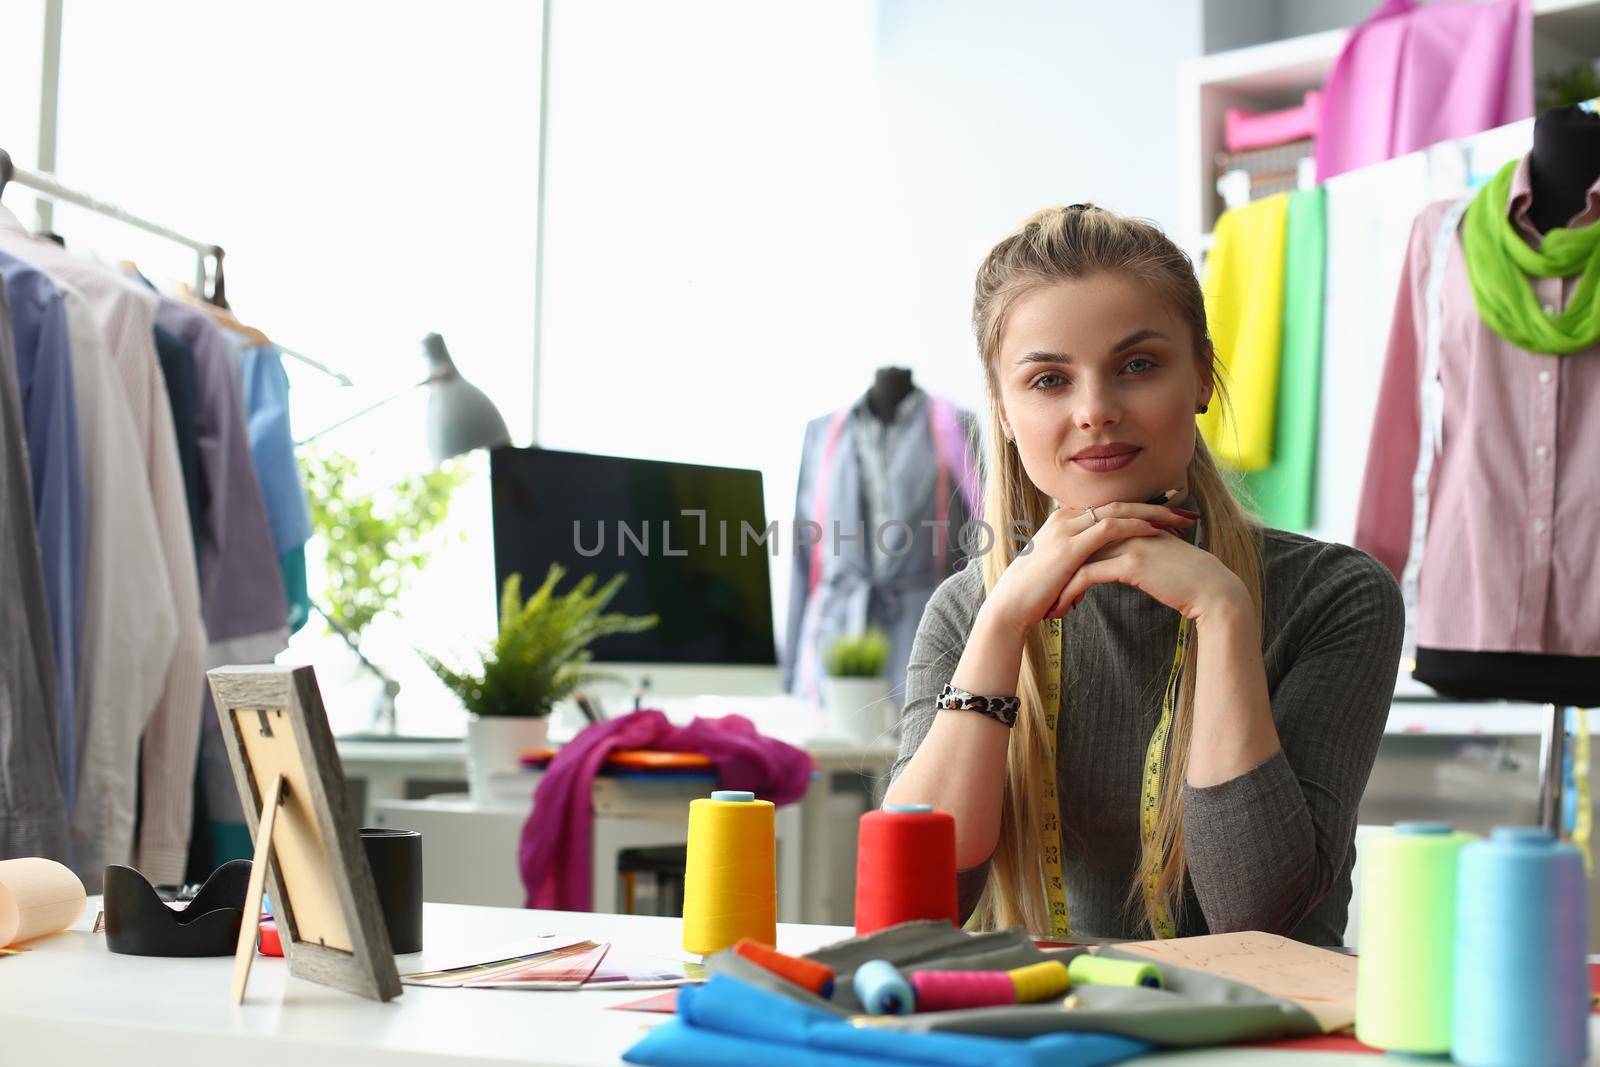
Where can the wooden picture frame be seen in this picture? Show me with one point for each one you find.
(292, 787)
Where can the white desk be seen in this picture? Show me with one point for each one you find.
(68, 1000)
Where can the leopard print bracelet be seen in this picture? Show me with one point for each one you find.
(1001, 709)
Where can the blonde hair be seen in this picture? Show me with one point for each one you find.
(1054, 244)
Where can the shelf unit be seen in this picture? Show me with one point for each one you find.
(1277, 74)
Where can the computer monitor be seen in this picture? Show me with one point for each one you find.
(686, 537)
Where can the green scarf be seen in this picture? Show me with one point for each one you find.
(1499, 261)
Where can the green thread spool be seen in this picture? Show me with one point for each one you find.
(1405, 975)
(1101, 970)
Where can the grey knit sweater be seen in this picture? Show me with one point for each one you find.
(1271, 849)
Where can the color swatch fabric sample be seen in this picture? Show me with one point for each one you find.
(1244, 310)
(1285, 491)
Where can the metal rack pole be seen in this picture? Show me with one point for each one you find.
(206, 253)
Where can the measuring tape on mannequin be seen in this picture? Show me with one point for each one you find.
(1050, 815)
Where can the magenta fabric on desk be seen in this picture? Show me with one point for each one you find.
(558, 838)
(1412, 75)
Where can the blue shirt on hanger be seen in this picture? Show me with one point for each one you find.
(266, 403)
(55, 459)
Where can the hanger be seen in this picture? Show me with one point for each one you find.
(222, 316)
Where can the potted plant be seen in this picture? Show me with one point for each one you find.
(855, 689)
(535, 661)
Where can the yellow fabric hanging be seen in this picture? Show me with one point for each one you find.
(1244, 310)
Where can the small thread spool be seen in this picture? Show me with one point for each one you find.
(905, 867)
(1044, 980)
(1521, 978)
(882, 990)
(808, 974)
(730, 881)
(1405, 972)
(1102, 970)
(953, 990)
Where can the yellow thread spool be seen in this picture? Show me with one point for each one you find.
(1045, 980)
(730, 881)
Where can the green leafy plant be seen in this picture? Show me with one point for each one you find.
(1572, 86)
(862, 655)
(375, 538)
(539, 655)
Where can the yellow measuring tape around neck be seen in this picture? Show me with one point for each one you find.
(1050, 809)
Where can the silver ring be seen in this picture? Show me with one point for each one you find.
(1092, 516)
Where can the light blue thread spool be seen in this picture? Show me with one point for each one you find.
(1522, 978)
(882, 990)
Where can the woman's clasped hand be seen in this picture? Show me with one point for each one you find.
(1132, 544)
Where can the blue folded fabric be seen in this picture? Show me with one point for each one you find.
(732, 1023)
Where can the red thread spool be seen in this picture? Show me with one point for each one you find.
(808, 974)
(905, 867)
(267, 940)
(951, 990)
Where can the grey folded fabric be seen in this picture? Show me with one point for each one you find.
(1193, 1010)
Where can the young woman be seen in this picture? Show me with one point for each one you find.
(1223, 686)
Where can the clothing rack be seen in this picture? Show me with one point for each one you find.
(208, 257)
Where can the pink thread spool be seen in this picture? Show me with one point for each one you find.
(952, 990)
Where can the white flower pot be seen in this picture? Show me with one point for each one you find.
(858, 708)
(495, 744)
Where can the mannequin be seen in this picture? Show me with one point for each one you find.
(890, 478)
(1563, 165)
(889, 387)
(1565, 161)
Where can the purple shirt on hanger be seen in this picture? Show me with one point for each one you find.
(241, 586)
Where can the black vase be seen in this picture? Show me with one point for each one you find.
(396, 858)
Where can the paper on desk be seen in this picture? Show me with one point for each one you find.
(1320, 981)
(37, 897)
(662, 1003)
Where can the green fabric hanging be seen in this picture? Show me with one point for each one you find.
(1499, 261)
(1285, 492)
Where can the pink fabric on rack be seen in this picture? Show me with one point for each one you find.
(1414, 75)
(1244, 130)
(557, 844)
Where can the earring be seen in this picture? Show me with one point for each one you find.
(1201, 410)
(1012, 441)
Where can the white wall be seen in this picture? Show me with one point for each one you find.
(750, 211)
(992, 112)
